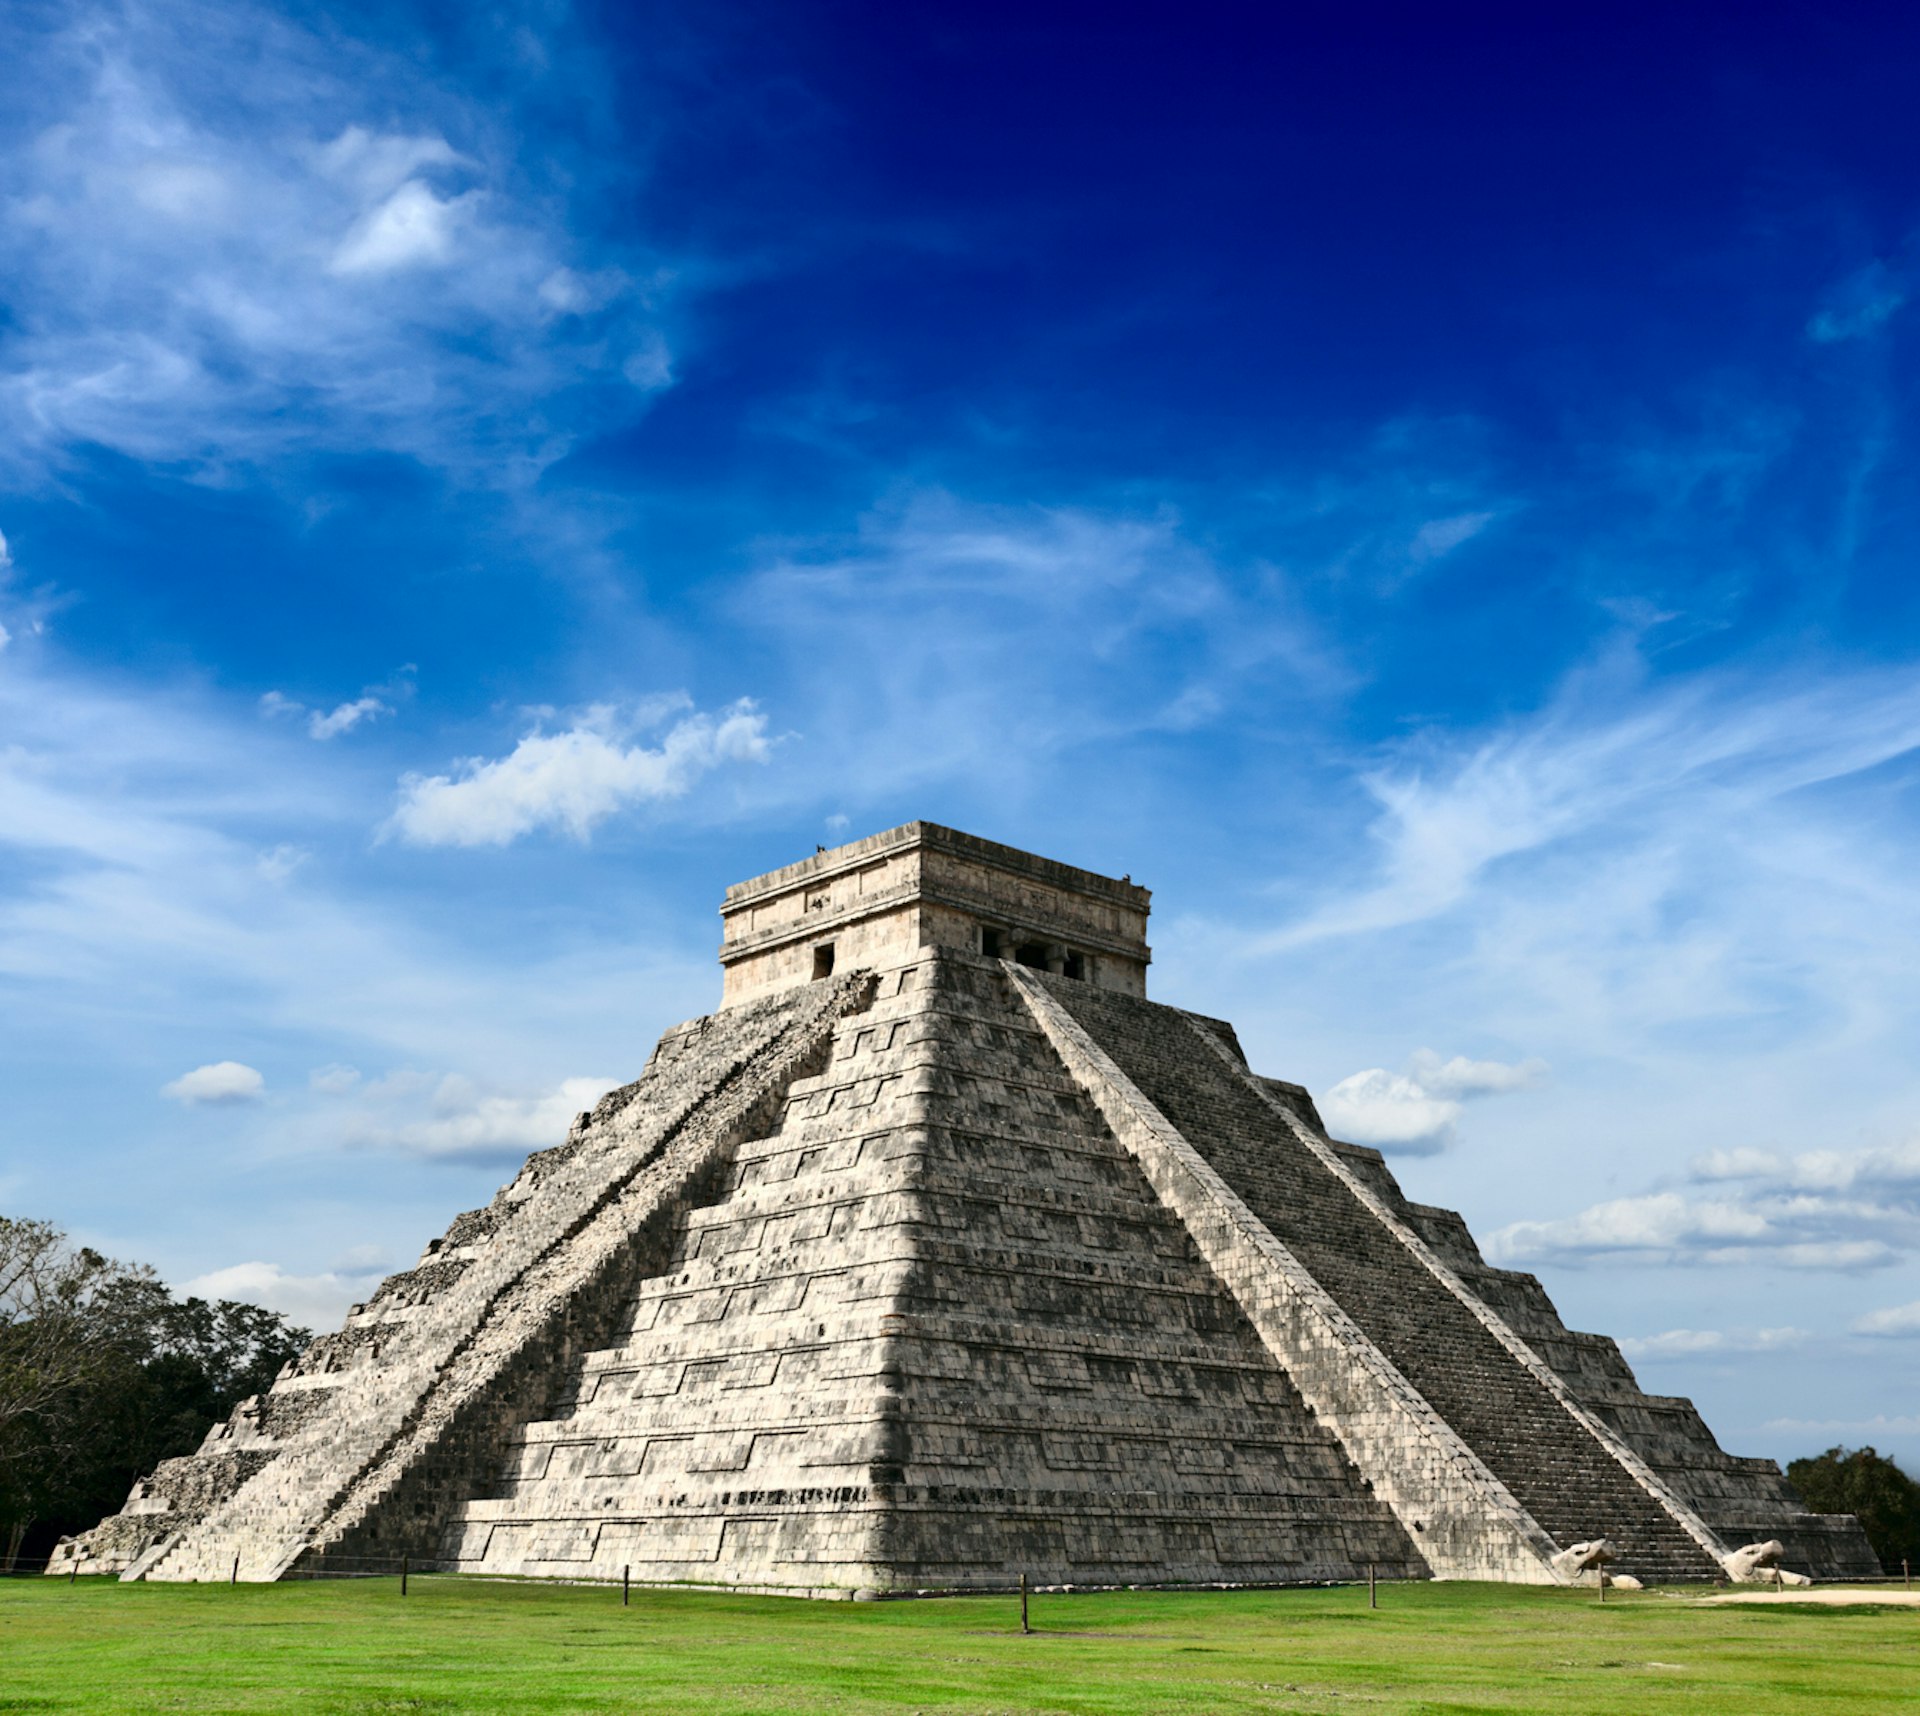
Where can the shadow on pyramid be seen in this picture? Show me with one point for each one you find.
(939, 1256)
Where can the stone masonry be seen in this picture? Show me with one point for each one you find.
(938, 1256)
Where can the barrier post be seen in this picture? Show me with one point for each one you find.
(626, 1586)
(1023, 1605)
(233, 1578)
(1373, 1590)
(403, 1575)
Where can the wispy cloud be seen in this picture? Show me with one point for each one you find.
(1613, 759)
(341, 254)
(948, 639)
(576, 778)
(344, 717)
(1860, 305)
(1697, 1343)
(1439, 537)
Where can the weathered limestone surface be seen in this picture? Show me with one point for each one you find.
(373, 1430)
(1475, 1374)
(934, 1331)
(937, 1257)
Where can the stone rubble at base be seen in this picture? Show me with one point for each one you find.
(938, 1256)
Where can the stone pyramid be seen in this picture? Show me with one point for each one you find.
(941, 1255)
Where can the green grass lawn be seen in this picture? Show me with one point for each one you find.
(467, 1645)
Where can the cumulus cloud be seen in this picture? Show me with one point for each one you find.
(465, 1121)
(217, 1083)
(1819, 1209)
(1414, 1112)
(573, 779)
(317, 1302)
(1693, 1343)
(1893, 1320)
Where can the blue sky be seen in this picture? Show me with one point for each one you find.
(1431, 493)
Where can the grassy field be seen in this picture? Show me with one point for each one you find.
(461, 1645)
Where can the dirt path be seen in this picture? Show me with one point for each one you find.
(1890, 1596)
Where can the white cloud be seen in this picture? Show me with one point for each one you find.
(1460, 1077)
(1892, 1320)
(345, 717)
(1414, 1112)
(335, 1079)
(318, 1302)
(325, 724)
(6, 637)
(468, 1122)
(1389, 1111)
(573, 779)
(413, 228)
(218, 1083)
(6, 555)
(1819, 1209)
(1692, 1343)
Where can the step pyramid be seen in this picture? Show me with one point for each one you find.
(938, 1256)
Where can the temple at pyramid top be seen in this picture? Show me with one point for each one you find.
(877, 903)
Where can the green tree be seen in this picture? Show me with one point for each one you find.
(1874, 1490)
(51, 1359)
(104, 1374)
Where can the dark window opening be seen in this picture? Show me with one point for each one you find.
(990, 943)
(823, 960)
(1033, 953)
(1075, 966)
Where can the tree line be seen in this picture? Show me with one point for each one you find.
(1874, 1490)
(104, 1373)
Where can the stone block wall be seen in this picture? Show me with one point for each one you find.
(936, 1331)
